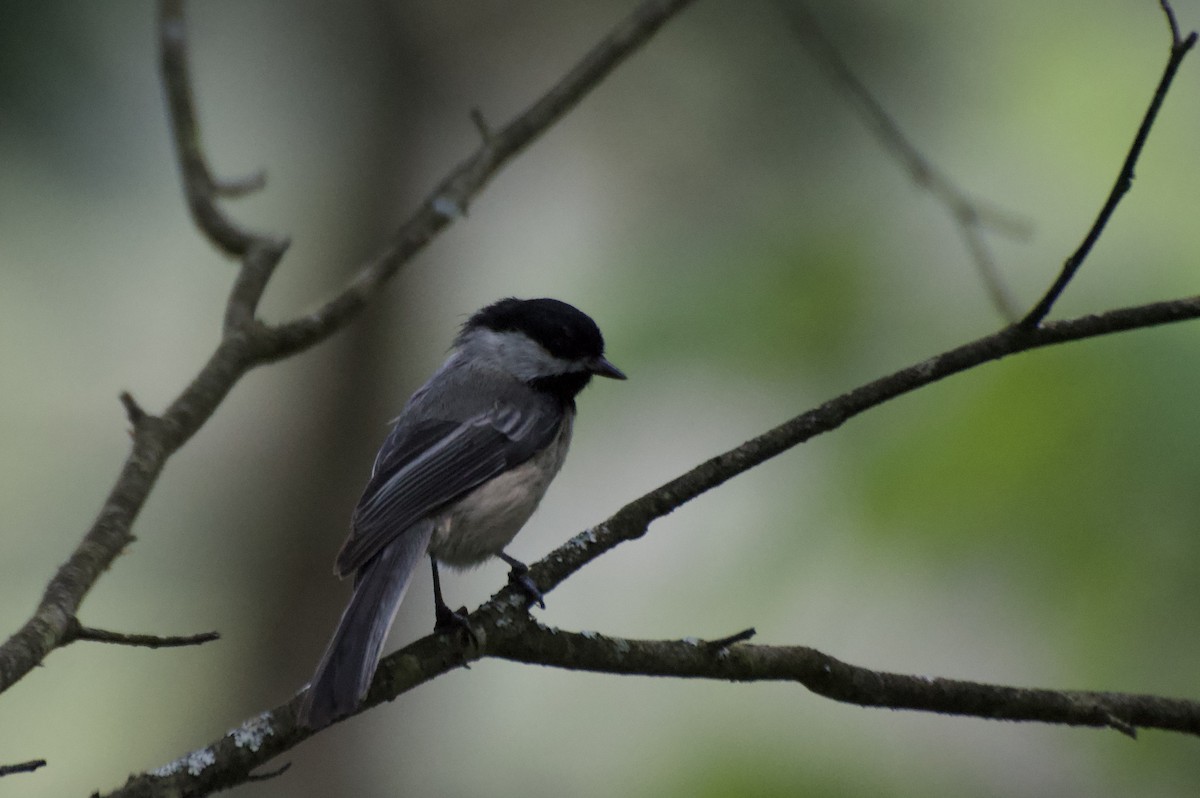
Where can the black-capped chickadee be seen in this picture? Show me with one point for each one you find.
(465, 466)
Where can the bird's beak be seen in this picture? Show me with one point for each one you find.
(602, 368)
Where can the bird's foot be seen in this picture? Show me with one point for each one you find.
(449, 621)
(518, 575)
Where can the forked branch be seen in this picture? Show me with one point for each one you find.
(502, 625)
(247, 342)
(1179, 49)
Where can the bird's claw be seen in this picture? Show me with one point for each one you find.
(448, 621)
(518, 575)
(521, 579)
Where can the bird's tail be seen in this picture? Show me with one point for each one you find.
(345, 671)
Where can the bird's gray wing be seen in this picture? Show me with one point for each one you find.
(423, 468)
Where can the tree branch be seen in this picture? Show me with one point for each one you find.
(77, 631)
(502, 624)
(1179, 49)
(201, 189)
(632, 520)
(829, 677)
(22, 767)
(449, 200)
(970, 215)
(232, 759)
(246, 342)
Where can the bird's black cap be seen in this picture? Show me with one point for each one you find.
(562, 330)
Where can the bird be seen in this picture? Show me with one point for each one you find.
(464, 467)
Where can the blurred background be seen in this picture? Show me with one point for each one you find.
(750, 251)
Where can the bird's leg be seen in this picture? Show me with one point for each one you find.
(519, 575)
(446, 618)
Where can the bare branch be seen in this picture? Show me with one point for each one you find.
(22, 767)
(504, 628)
(450, 199)
(840, 681)
(1176, 41)
(200, 187)
(133, 411)
(258, 265)
(1179, 49)
(970, 215)
(77, 631)
(481, 125)
(632, 520)
(232, 758)
(246, 342)
(723, 643)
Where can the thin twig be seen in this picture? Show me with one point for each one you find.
(200, 187)
(133, 410)
(80, 632)
(22, 767)
(970, 215)
(725, 642)
(1172, 22)
(1179, 49)
(481, 126)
